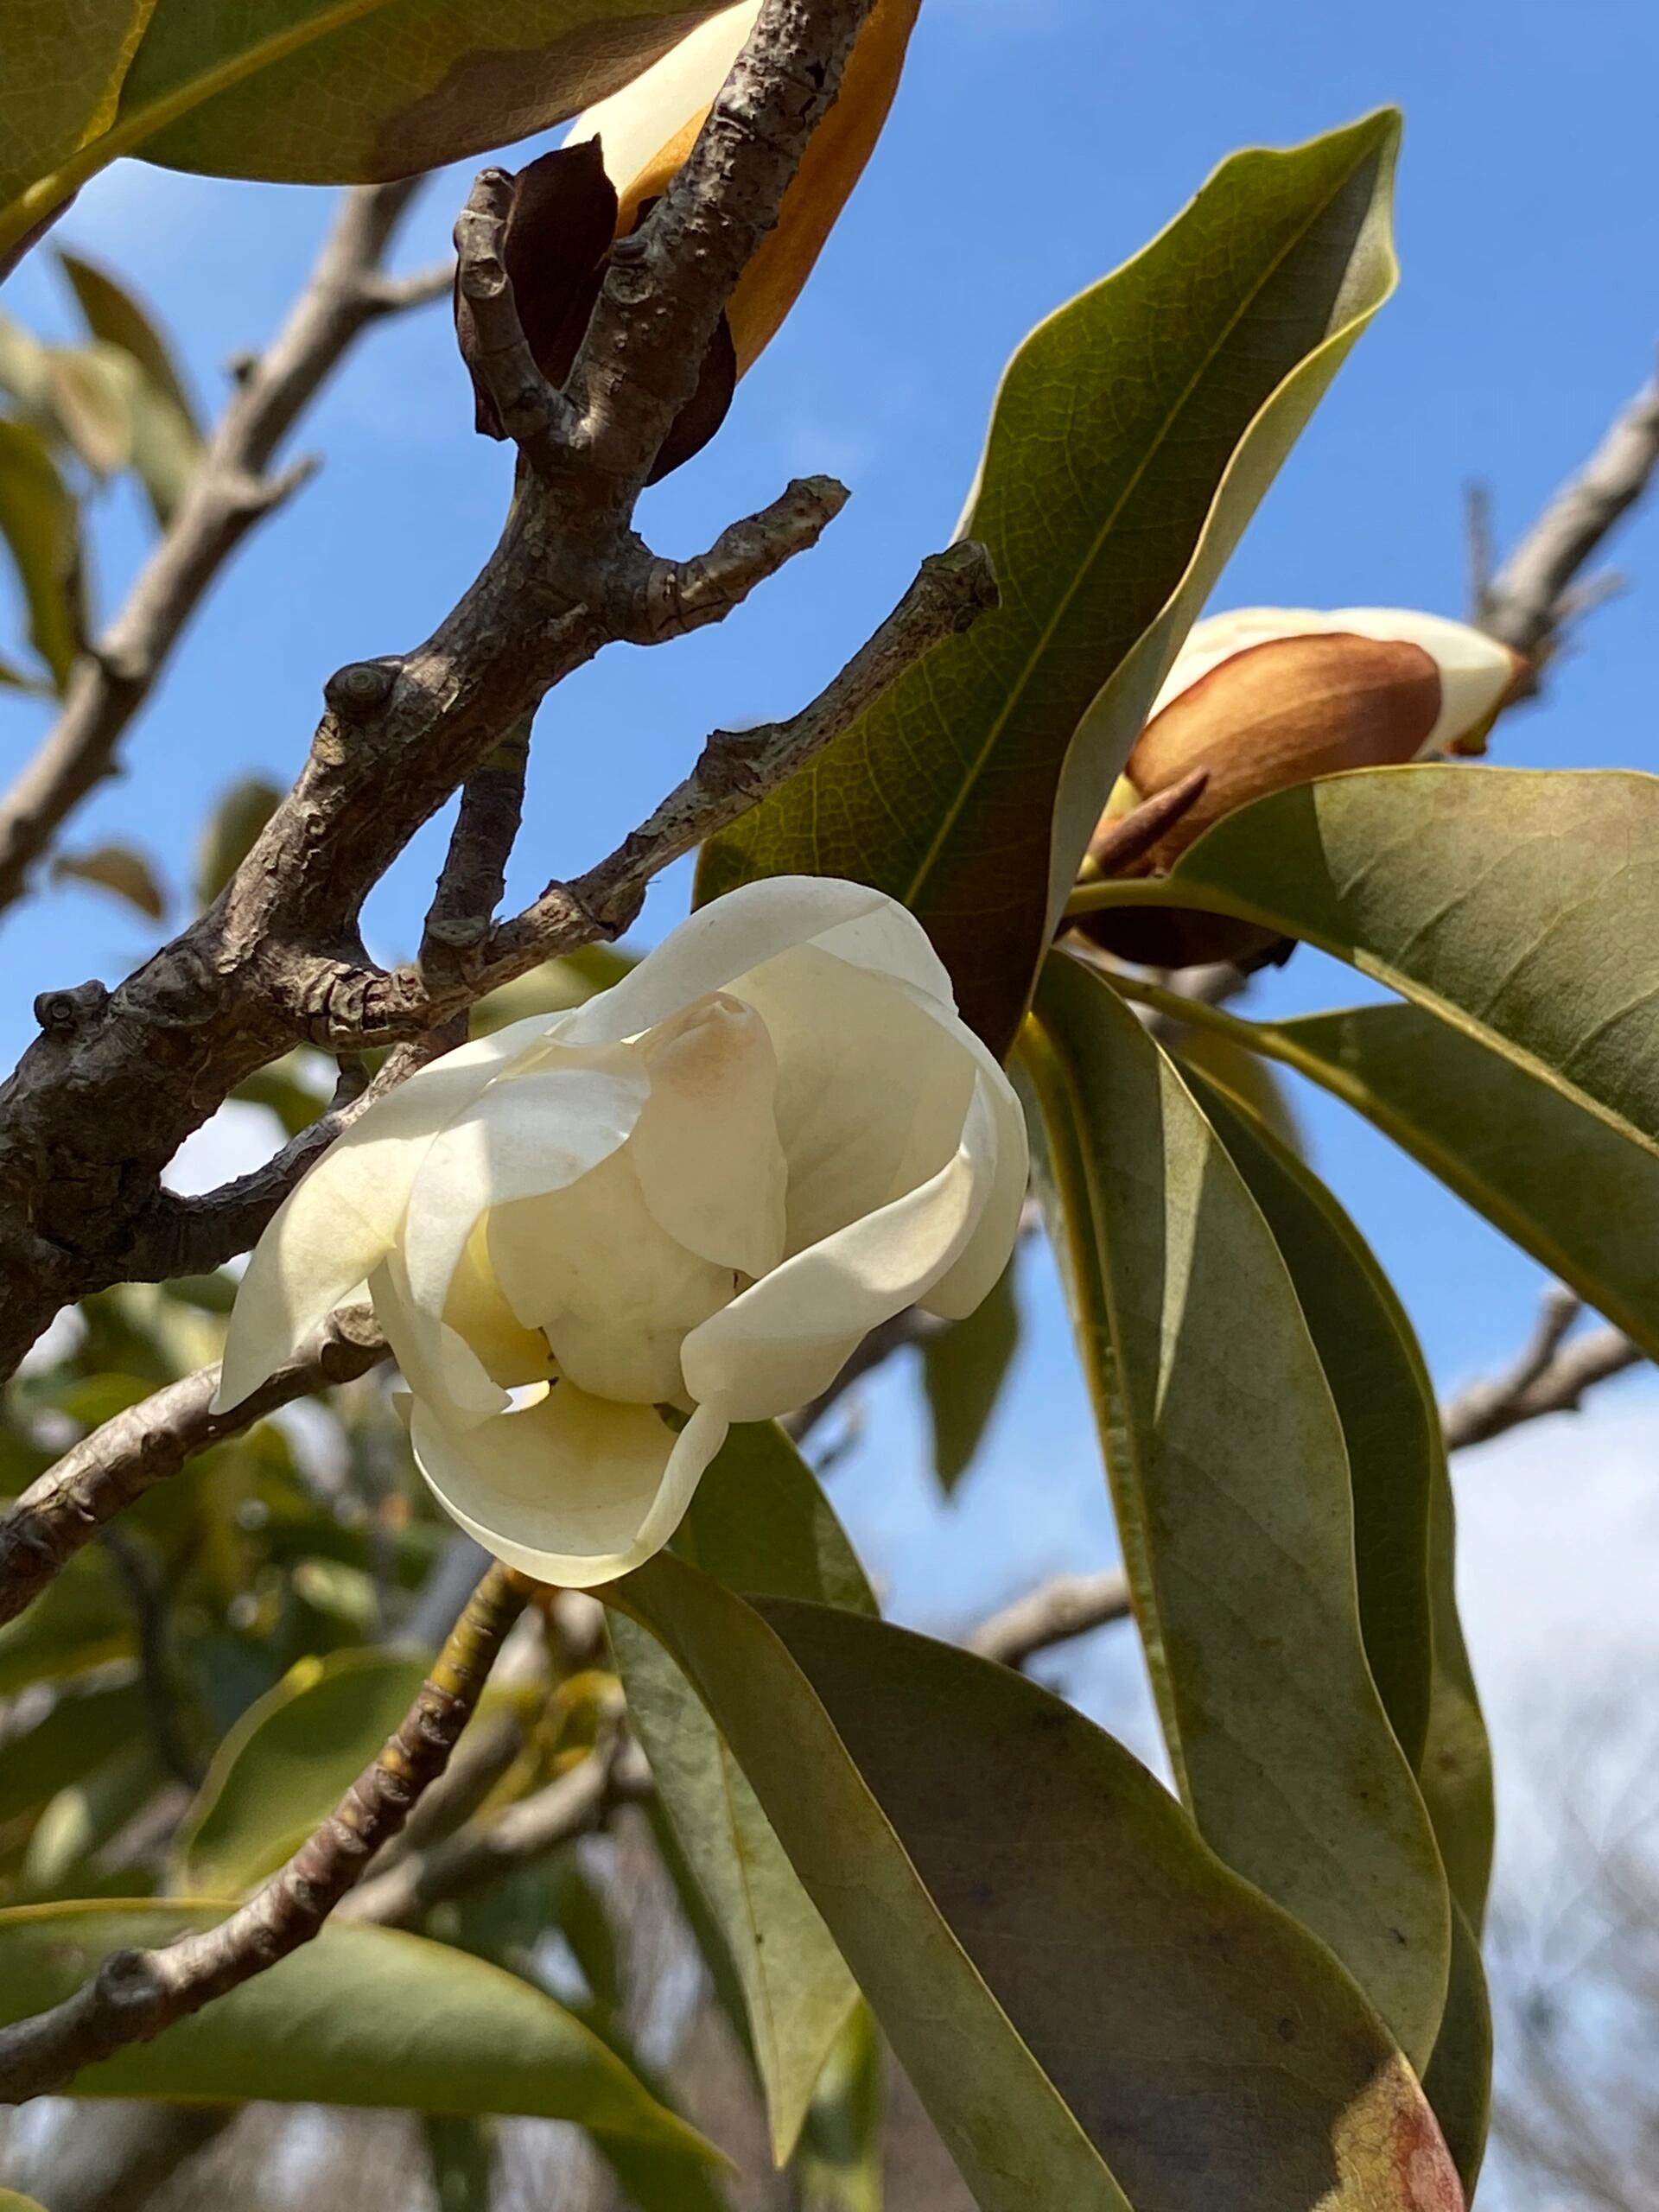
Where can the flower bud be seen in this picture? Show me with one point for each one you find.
(1267, 698)
(598, 1237)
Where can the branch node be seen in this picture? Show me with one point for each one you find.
(358, 691)
(62, 1013)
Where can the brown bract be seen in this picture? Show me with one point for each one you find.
(562, 224)
(1271, 717)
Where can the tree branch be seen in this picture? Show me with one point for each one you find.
(1530, 602)
(345, 294)
(102, 1100)
(135, 1995)
(1551, 1376)
(1069, 1605)
(55, 1516)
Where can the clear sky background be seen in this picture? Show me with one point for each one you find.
(1035, 145)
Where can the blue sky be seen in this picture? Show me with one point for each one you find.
(1037, 143)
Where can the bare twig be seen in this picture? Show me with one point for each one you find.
(911, 1327)
(136, 1994)
(1551, 1376)
(44, 1529)
(1536, 594)
(347, 291)
(1069, 1605)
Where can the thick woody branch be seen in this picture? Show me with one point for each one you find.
(117, 1081)
(1537, 594)
(231, 491)
(475, 871)
(1071, 1606)
(44, 1529)
(135, 1995)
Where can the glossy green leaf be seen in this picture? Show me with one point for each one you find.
(1078, 1986)
(1390, 1423)
(40, 525)
(1135, 432)
(314, 91)
(1519, 906)
(112, 314)
(1456, 1774)
(80, 1621)
(1243, 1074)
(81, 1728)
(1230, 1479)
(964, 1369)
(1541, 1166)
(363, 2015)
(119, 869)
(839, 2167)
(287, 1764)
(759, 1522)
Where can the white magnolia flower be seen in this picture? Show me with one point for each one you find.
(597, 1238)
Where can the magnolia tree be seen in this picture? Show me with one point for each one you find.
(589, 1242)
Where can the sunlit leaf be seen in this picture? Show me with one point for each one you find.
(114, 315)
(1073, 1981)
(87, 390)
(40, 523)
(117, 869)
(362, 2015)
(287, 1764)
(318, 92)
(1135, 432)
(964, 1369)
(839, 2165)
(760, 1522)
(80, 1620)
(1458, 2082)
(1231, 1477)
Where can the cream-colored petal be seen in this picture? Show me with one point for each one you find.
(874, 1080)
(574, 1491)
(339, 1224)
(783, 1341)
(1475, 671)
(706, 1150)
(969, 1280)
(593, 1269)
(634, 125)
(737, 932)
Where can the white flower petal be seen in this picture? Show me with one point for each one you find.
(969, 1280)
(613, 1294)
(574, 1489)
(706, 1149)
(334, 1230)
(637, 123)
(735, 933)
(783, 1341)
(874, 1081)
(1475, 671)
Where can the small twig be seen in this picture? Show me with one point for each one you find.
(1071, 1606)
(475, 871)
(136, 1994)
(55, 1516)
(346, 293)
(142, 1586)
(911, 1327)
(530, 411)
(1535, 594)
(1551, 1376)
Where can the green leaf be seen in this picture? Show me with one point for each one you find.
(87, 389)
(964, 1369)
(1456, 1775)
(839, 2165)
(1390, 1422)
(82, 1728)
(1458, 2082)
(231, 833)
(1230, 1479)
(759, 1522)
(10, 2202)
(1135, 433)
(310, 91)
(80, 1621)
(1243, 1074)
(287, 1764)
(1541, 1166)
(1518, 906)
(40, 523)
(117, 869)
(462, 2153)
(1073, 1981)
(363, 2015)
(81, 1819)
(112, 314)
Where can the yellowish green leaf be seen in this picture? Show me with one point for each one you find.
(117, 869)
(964, 1369)
(40, 523)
